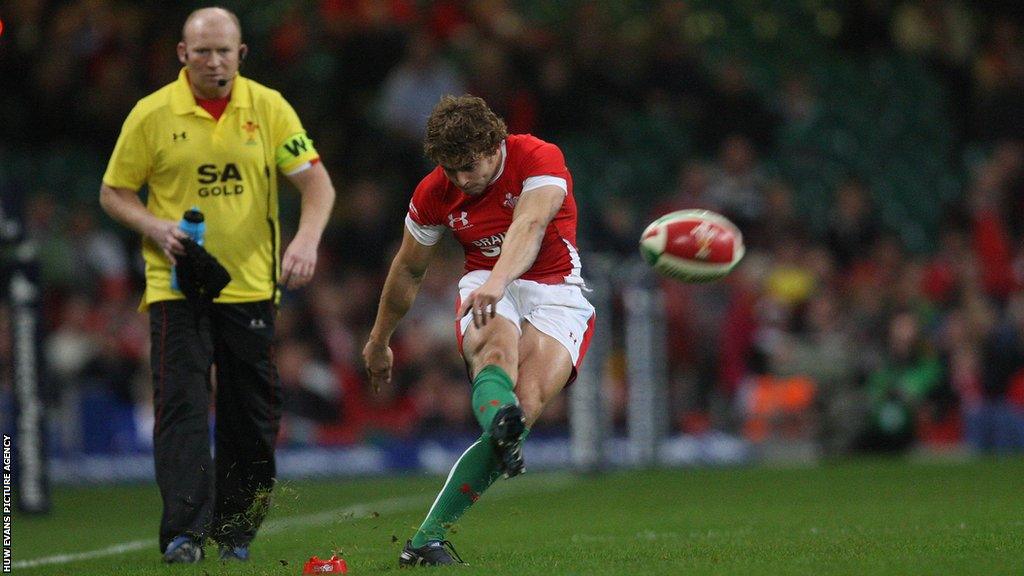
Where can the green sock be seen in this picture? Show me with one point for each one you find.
(474, 472)
(492, 389)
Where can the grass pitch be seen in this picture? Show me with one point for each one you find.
(859, 517)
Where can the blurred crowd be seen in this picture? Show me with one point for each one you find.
(845, 336)
(848, 324)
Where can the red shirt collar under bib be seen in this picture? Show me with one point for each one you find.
(215, 106)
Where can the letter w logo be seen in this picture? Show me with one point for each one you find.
(295, 146)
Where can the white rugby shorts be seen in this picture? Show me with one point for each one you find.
(558, 310)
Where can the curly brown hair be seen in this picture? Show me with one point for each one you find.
(462, 129)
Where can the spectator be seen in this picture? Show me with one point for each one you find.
(998, 425)
(797, 103)
(413, 87)
(312, 396)
(900, 390)
(826, 352)
(359, 237)
(998, 79)
(853, 225)
(736, 183)
(101, 259)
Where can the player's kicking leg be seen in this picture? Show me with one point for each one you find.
(491, 352)
(519, 364)
(543, 368)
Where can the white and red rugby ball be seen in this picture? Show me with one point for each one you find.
(692, 245)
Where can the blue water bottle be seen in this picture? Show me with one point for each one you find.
(192, 223)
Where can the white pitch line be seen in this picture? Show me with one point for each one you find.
(116, 549)
(342, 514)
(337, 515)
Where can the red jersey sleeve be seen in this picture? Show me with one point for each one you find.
(422, 220)
(545, 166)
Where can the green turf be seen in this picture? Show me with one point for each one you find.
(862, 517)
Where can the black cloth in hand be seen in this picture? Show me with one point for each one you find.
(200, 276)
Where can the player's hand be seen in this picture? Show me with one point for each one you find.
(168, 237)
(378, 359)
(482, 303)
(299, 263)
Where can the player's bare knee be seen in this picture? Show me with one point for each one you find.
(495, 356)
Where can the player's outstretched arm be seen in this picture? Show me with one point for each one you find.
(299, 261)
(124, 205)
(534, 211)
(400, 288)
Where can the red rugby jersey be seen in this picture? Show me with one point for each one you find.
(480, 223)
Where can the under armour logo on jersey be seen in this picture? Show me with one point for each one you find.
(178, 136)
(460, 222)
(257, 324)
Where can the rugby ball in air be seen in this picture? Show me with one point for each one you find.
(692, 245)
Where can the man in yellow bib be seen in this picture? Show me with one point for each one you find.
(215, 141)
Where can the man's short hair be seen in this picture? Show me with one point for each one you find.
(462, 129)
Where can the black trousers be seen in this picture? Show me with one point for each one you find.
(226, 496)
